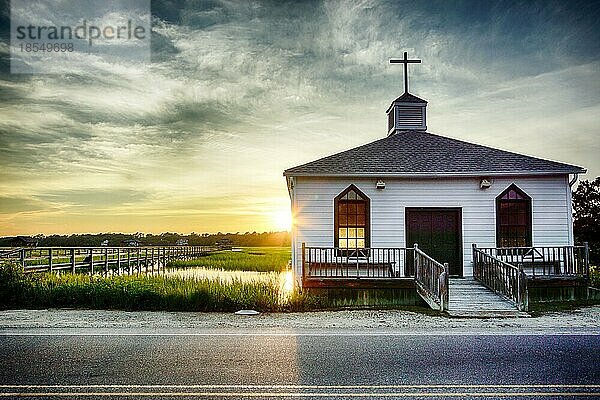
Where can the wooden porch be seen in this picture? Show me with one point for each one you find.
(376, 268)
(515, 273)
(507, 273)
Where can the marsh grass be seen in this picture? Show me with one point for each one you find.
(171, 293)
(595, 276)
(260, 259)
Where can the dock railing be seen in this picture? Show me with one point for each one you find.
(508, 280)
(431, 280)
(105, 260)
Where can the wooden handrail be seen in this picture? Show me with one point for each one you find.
(431, 280)
(503, 278)
(439, 264)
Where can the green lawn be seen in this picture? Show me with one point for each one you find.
(261, 259)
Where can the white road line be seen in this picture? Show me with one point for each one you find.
(299, 334)
(330, 387)
(293, 394)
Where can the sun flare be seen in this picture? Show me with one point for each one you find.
(287, 283)
(282, 219)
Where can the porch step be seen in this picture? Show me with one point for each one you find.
(469, 298)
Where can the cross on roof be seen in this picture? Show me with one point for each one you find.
(404, 61)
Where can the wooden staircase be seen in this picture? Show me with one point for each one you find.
(469, 298)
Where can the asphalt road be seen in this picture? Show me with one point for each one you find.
(329, 364)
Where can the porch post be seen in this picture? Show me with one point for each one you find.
(303, 260)
(522, 296)
(474, 260)
(587, 260)
(415, 262)
(444, 288)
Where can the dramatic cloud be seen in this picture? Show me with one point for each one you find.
(239, 91)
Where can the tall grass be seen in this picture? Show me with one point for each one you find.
(261, 259)
(595, 276)
(18, 289)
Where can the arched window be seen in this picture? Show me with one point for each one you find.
(351, 220)
(513, 218)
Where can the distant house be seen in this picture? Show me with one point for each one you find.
(225, 244)
(104, 243)
(182, 242)
(483, 212)
(131, 243)
(19, 241)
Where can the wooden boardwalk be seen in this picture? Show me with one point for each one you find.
(469, 298)
(103, 260)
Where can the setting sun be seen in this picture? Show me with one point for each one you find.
(282, 219)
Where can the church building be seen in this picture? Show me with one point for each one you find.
(360, 214)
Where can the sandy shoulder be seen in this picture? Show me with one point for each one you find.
(586, 317)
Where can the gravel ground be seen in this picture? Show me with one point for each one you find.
(586, 318)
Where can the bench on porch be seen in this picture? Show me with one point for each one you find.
(543, 267)
(351, 269)
(371, 263)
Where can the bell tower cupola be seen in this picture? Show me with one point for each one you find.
(407, 112)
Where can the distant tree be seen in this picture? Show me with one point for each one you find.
(168, 239)
(586, 216)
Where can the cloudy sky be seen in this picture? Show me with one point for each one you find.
(239, 91)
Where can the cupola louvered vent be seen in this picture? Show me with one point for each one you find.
(410, 116)
(407, 113)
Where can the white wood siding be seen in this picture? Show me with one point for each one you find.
(312, 204)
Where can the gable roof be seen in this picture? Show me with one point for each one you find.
(419, 153)
(409, 98)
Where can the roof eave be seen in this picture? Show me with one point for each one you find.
(434, 174)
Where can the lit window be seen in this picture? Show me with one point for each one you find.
(351, 221)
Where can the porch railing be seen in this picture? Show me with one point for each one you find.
(331, 262)
(542, 261)
(430, 276)
(431, 280)
(501, 277)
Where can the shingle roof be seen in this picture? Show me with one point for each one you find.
(424, 153)
(409, 98)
